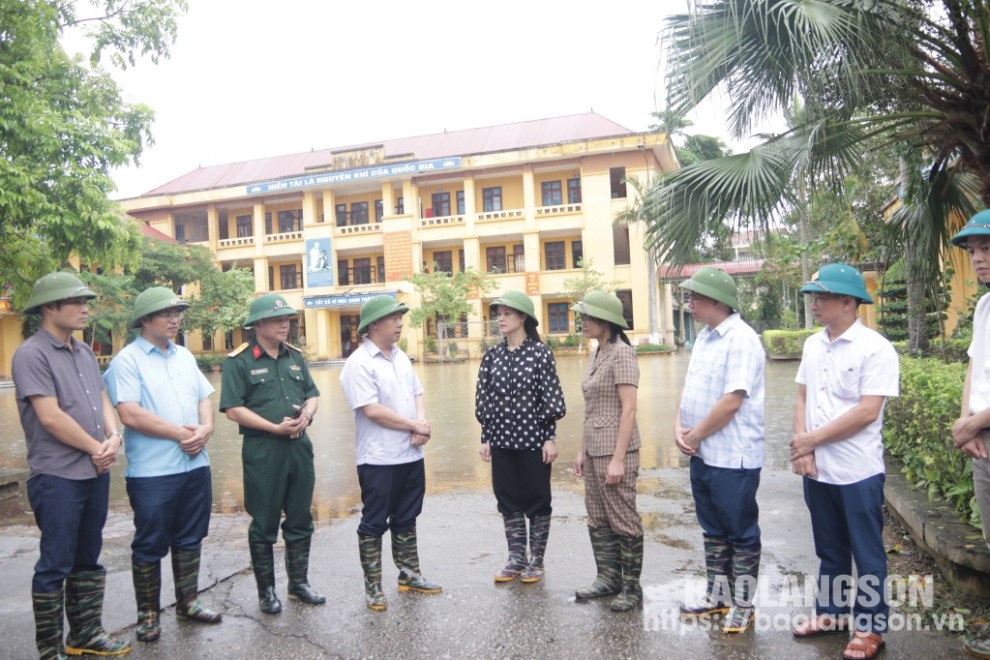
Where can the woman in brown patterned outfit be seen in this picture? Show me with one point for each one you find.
(609, 454)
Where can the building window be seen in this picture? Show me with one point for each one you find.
(441, 204)
(495, 258)
(491, 199)
(574, 190)
(291, 278)
(289, 221)
(518, 259)
(577, 254)
(362, 271)
(379, 210)
(268, 223)
(207, 342)
(460, 202)
(555, 255)
(340, 213)
(343, 275)
(271, 278)
(400, 206)
(620, 245)
(625, 295)
(381, 269)
(617, 178)
(243, 226)
(557, 313)
(551, 193)
(180, 232)
(460, 261)
(443, 261)
(359, 213)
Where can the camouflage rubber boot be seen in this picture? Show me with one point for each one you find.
(370, 549)
(745, 571)
(147, 590)
(297, 568)
(605, 546)
(406, 557)
(48, 609)
(263, 562)
(84, 609)
(718, 593)
(539, 533)
(185, 570)
(631, 558)
(515, 537)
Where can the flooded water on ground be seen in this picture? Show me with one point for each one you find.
(452, 460)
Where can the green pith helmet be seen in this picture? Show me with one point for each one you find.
(154, 300)
(378, 308)
(268, 306)
(840, 279)
(54, 287)
(715, 284)
(602, 305)
(978, 225)
(516, 300)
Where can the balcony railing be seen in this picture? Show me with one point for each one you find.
(442, 221)
(507, 214)
(284, 236)
(235, 242)
(559, 209)
(360, 229)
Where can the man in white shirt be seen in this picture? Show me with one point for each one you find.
(391, 426)
(847, 371)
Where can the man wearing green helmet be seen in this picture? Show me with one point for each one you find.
(847, 371)
(719, 424)
(267, 389)
(971, 432)
(163, 399)
(72, 442)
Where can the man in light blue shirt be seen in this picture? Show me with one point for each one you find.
(163, 399)
(390, 421)
(719, 424)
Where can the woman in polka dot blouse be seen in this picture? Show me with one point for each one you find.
(518, 402)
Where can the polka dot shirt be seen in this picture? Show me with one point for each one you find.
(518, 399)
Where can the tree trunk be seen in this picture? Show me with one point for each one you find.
(652, 293)
(916, 308)
(805, 262)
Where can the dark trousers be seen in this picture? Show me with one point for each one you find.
(521, 481)
(392, 496)
(170, 511)
(278, 476)
(725, 503)
(847, 524)
(70, 514)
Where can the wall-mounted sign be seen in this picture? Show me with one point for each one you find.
(319, 268)
(344, 299)
(346, 176)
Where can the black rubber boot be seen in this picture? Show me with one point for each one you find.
(263, 562)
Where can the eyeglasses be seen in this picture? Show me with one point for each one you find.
(823, 297)
(169, 315)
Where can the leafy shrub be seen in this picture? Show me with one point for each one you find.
(431, 344)
(404, 345)
(571, 340)
(207, 360)
(552, 342)
(917, 430)
(652, 348)
(786, 344)
(954, 349)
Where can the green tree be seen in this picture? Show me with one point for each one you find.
(913, 75)
(223, 301)
(444, 295)
(64, 126)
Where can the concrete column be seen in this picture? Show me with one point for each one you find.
(258, 221)
(529, 197)
(310, 216)
(212, 226)
(261, 274)
(329, 213)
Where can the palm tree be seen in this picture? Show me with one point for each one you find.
(913, 73)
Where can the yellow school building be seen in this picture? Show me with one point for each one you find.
(523, 203)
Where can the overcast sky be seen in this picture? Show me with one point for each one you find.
(250, 79)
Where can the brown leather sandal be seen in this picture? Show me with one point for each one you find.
(870, 644)
(823, 624)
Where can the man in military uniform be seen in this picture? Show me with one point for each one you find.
(267, 389)
(72, 442)
(164, 400)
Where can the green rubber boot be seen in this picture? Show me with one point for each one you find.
(631, 596)
(718, 565)
(48, 615)
(515, 538)
(605, 546)
(185, 570)
(745, 571)
(297, 568)
(84, 609)
(147, 590)
(406, 557)
(539, 533)
(370, 549)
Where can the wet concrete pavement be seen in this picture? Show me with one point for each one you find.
(461, 545)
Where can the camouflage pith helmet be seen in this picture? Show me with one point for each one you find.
(840, 279)
(516, 300)
(54, 287)
(378, 308)
(154, 300)
(268, 306)
(603, 306)
(715, 284)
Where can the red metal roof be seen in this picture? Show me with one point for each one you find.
(747, 267)
(520, 135)
(151, 232)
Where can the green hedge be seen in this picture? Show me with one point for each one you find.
(653, 348)
(917, 427)
(786, 344)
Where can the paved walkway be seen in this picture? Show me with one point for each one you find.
(461, 545)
